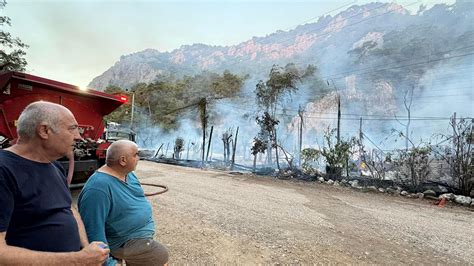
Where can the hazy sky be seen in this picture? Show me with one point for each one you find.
(74, 41)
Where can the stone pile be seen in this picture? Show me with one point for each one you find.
(428, 194)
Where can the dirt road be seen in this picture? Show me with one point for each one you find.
(210, 217)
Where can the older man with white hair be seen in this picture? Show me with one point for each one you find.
(115, 210)
(37, 223)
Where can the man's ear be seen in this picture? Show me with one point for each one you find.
(123, 161)
(43, 131)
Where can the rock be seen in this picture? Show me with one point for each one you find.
(430, 197)
(372, 188)
(404, 193)
(448, 196)
(438, 188)
(330, 182)
(399, 190)
(343, 181)
(381, 190)
(395, 191)
(390, 175)
(361, 188)
(354, 183)
(321, 179)
(466, 201)
(337, 184)
(420, 195)
(429, 192)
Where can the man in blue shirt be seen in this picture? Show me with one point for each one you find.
(37, 223)
(115, 210)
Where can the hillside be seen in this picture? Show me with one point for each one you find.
(372, 54)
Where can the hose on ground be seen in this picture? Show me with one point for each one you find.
(165, 188)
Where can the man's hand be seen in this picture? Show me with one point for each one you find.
(95, 253)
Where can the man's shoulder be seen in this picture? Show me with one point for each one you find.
(97, 184)
(5, 157)
(98, 181)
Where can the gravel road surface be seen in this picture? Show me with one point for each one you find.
(212, 217)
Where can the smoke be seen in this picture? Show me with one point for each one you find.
(375, 94)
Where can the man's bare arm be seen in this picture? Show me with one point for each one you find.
(82, 229)
(92, 254)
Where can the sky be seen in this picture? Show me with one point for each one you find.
(74, 41)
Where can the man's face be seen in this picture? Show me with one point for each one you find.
(133, 158)
(66, 135)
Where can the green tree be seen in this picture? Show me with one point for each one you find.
(310, 156)
(165, 101)
(258, 146)
(12, 50)
(413, 164)
(269, 94)
(336, 154)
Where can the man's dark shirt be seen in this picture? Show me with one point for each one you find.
(35, 205)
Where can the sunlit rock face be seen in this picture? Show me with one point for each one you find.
(297, 45)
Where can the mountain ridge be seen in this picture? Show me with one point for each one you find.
(325, 43)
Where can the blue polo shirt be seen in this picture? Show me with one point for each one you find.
(114, 211)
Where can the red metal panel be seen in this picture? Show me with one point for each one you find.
(17, 90)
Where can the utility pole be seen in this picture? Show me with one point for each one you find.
(300, 140)
(453, 121)
(209, 143)
(167, 146)
(202, 105)
(187, 153)
(338, 118)
(234, 149)
(361, 151)
(133, 109)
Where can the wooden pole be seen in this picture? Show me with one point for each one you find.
(187, 153)
(133, 109)
(204, 122)
(167, 146)
(158, 151)
(209, 143)
(276, 151)
(360, 146)
(338, 118)
(234, 149)
(454, 131)
(300, 140)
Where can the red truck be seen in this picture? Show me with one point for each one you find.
(17, 90)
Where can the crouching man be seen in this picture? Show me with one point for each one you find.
(115, 210)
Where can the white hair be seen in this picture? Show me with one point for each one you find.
(37, 113)
(118, 149)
